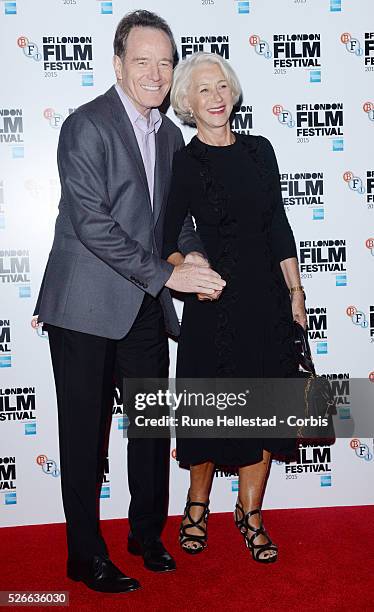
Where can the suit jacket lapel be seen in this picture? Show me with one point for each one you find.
(161, 171)
(126, 131)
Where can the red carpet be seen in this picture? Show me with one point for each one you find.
(326, 562)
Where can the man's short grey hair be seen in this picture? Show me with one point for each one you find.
(140, 19)
(182, 82)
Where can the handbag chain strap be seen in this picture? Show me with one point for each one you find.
(306, 390)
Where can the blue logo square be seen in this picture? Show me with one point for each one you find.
(18, 152)
(10, 8)
(326, 480)
(315, 76)
(106, 8)
(322, 348)
(123, 422)
(341, 280)
(318, 214)
(87, 80)
(344, 412)
(10, 498)
(243, 8)
(105, 492)
(235, 485)
(5, 361)
(338, 144)
(335, 6)
(25, 291)
(30, 429)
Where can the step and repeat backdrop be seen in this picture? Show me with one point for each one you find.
(307, 72)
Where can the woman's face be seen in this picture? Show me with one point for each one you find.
(210, 96)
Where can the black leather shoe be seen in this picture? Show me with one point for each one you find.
(100, 574)
(154, 553)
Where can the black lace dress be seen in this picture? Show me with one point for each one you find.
(233, 192)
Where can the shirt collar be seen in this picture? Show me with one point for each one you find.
(136, 118)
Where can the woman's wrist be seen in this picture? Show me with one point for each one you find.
(296, 289)
(297, 293)
(176, 258)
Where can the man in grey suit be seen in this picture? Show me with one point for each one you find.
(104, 298)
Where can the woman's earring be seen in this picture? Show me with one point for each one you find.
(191, 113)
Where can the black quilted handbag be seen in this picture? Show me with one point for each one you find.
(318, 398)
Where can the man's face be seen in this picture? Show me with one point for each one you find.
(145, 72)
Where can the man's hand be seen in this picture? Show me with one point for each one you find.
(35, 322)
(197, 258)
(192, 278)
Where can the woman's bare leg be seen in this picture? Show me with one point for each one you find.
(252, 479)
(199, 491)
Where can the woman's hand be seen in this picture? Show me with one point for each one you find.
(203, 297)
(298, 308)
(197, 258)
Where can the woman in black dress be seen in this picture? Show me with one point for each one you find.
(230, 184)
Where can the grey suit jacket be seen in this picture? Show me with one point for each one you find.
(105, 252)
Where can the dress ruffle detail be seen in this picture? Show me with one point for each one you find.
(225, 264)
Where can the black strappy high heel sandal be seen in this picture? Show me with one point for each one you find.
(199, 541)
(250, 534)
